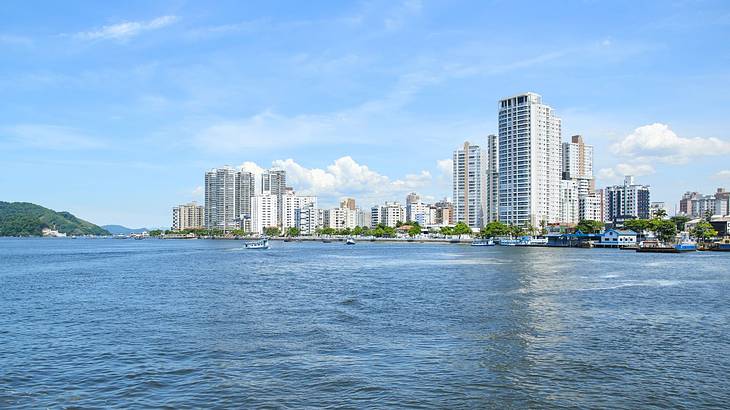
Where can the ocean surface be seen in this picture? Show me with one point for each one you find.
(92, 323)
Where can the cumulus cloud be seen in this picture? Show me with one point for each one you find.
(445, 166)
(658, 142)
(126, 29)
(345, 177)
(621, 170)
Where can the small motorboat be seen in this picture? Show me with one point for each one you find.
(350, 241)
(482, 242)
(259, 244)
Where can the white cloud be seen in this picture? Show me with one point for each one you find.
(725, 173)
(658, 142)
(50, 137)
(445, 166)
(251, 167)
(621, 170)
(345, 177)
(126, 29)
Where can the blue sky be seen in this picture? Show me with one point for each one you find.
(114, 111)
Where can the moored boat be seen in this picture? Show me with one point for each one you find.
(482, 242)
(655, 247)
(350, 241)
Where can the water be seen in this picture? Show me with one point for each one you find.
(123, 323)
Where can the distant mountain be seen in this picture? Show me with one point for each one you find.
(123, 230)
(26, 219)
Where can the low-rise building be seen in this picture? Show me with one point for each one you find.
(618, 238)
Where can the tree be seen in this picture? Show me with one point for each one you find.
(155, 232)
(703, 231)
(494, 229)
(589, 226)
(660, 213)
(446, 230)
(708, 215)
(680, 221)
(516, 230)
(272, 231)
(414, 230)
(293, 231)
(638, 225)
(357, 231)
(665, 231)
(462, 229)
(543, 227)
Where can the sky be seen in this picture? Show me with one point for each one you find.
(114, 110)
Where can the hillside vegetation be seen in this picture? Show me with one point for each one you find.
(26, 219)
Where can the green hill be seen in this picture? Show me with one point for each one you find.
(26, 219)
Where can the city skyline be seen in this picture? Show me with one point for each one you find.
(135, 103)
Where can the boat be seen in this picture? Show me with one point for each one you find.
(654, 246)
(721, 245)
(326, 240)
(686, 244)
(350, 241)
(259, 244)
(524, 241)
(482, 242)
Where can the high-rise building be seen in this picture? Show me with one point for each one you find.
(308, 219)
(388, 214)
(696, 205)
(685, 204)
(264, 211)
(188, 216)
(245, 192)
(722, 202)
(627, 201)
(274, 182)
(569, 204)
(291, 203)
(444, 213)
(492, 178)
(577, 159)
(469, 185)
(590, 207)
(529, 161)
(220, 199)
(348, 203)
(412, 198)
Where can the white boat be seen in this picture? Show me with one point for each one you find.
(482, 242)
(350, 241)
(259, 244)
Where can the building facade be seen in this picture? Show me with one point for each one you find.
(492, 178)
(627, 201)
(529, 161)
(220, 199)
(188, 216)
(469, 185)
(273, 181)
(245, 192)
(569, 204)
(291, 203)
(264, 212)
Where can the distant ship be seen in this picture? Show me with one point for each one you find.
(350, 241)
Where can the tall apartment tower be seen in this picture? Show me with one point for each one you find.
(492, 178)
(577, 159)
(529, 161)
(348, 203)
(188, 216)
(245, 193)
(220, 199)
(470, 185)
(274, 182)
(627, 201)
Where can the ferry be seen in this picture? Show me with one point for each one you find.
(260, 244)
(722, 245)
(686, 244)
(350, 241)
(482, 242)
(524, 241)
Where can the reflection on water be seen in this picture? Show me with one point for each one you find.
(103, 323)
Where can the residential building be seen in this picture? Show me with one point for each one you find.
(348, 203)
(264, 212)
(627, 201)
(702, 205)
(340, 218)
(444, 213)
(388, 214)
(273, 181)
(529, 161)
(308, 219)
(363, 218)
(577, 159)
(245, 192)
(590, 207)
(412, 198)
(469, 185)
(291, 203)
(696, 205)
(569, 204)
(188, 216)
(685, 204)
(220, 199)
(722, 202)
(656, 207)
(492, 178)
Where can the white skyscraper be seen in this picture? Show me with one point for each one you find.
(492, 178)
(274, 182)
(470, 185)
(577, 159)
(291, 203)
(245, 192)
(529, 161)
(569, 205)
(264, 211)
(220, 199)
